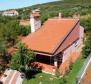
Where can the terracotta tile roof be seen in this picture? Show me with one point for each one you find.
(15, 78)
(9, 77)
(50, 35)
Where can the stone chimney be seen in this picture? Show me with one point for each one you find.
(35, 20)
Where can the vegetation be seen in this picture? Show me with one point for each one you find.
(51, 79)
(67, 7)
(24, 31)
(71, 76)
(87, 40)
(21, 58)
(10, 30)
(42, 78)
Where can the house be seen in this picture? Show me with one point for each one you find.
(57, 44)
(10, 13)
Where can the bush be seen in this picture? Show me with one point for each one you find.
(24, 30)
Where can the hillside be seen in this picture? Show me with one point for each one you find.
(67, 7)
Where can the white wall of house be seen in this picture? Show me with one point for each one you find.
(68, 51)
(75, 47)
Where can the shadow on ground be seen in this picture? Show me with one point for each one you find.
(31, 73)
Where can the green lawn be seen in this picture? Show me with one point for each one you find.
(44, 78)
(49, 79)
(71, 77)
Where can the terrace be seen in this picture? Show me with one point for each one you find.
(45, 63)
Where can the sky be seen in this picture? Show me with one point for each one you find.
(10, 4)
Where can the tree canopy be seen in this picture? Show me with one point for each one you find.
(22, 57)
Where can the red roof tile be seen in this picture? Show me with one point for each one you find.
(50, 35)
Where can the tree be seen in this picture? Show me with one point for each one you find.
(12, 31)
(87, 41)
(2, 48)
(25, 30)
(22, 57)
(87, 47)
(3, 57)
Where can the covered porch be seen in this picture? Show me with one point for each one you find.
(47, 64)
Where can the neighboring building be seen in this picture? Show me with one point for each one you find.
(1, 12)
(57, 44)
(10, 13)
(25, 22)
(35, 21)
(10, 76)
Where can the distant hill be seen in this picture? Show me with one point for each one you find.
(68, 7)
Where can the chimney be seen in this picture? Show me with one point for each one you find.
(35, 20)
(60, 15)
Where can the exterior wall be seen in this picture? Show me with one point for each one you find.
(70, 55)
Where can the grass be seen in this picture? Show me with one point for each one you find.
(42, 78)
(71, 76)
(49, 79)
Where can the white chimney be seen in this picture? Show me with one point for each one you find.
(35, 21)
(60, 15)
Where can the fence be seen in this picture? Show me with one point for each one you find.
(83, 69)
